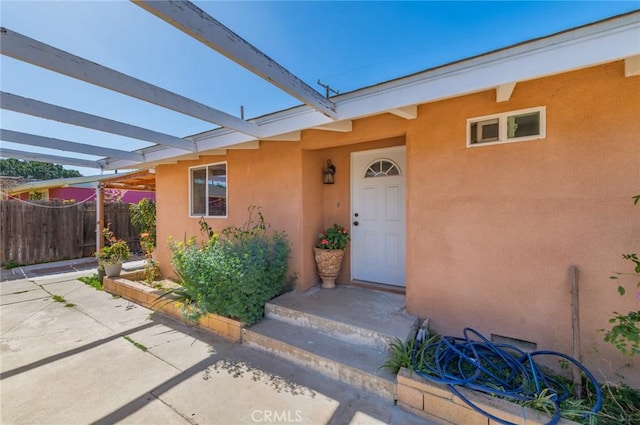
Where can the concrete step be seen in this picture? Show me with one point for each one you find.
(131, 266)
(355, 364)
(354, 315)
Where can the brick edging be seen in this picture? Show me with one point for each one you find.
(437, 402)
(126, 287)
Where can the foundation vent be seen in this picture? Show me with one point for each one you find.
(526, 346)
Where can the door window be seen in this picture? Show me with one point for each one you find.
(382, 168)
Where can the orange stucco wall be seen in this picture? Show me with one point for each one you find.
(492, 230)
(254, 178)
(495, 228)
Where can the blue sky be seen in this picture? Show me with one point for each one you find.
(347, 45)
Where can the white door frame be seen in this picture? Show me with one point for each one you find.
(355, 177)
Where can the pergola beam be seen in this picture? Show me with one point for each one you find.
(53, 159)
(28, 50)
(193, 21)
(64, 145)
(36, 108)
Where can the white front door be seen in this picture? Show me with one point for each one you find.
(378, 216)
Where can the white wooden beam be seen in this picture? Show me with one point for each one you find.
(406, 112)
(293, 136)
(99, 217)
(193, 21)
(504, 92)
(32, 156)
(64, 145)
(632, 66)
(28, 50)
(36, 108)
(606, 41)
(340, 126)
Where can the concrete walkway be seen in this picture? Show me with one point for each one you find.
(93, 358)
(58, 267)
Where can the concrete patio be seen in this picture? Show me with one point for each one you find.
(82, 360)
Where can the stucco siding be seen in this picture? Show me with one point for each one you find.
(491, 230)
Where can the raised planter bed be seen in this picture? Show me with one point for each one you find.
(437, 403)
(127, 287)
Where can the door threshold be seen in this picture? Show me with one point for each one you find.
(378, 286)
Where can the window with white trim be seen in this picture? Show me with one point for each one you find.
(208, 190)
(513, 126)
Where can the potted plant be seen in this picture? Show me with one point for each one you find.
(101, 273)
(112, 254)
(329, 253)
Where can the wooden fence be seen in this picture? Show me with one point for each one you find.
(45, 231)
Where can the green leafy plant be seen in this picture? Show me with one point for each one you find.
(11, 265)
(115, 251)
(234, 273)
(60, 299)
(399, 355)
(633, 258)
(135, 343)
(401, 352)
(151, 266)
(206, 229)
(92, 281)
(625, 332)
(143, 217)
(184, 295)
(620, 403)
(335, 237)
(543, 402)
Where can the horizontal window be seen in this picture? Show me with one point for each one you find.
(208, 190)
(514, 126)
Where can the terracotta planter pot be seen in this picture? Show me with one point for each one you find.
(329, 263)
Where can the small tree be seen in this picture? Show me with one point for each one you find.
(143, 217)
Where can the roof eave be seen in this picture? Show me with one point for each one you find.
(589, 45)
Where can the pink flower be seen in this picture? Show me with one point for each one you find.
(344, 231)
(324, 242)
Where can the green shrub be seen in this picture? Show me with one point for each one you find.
(234, 273)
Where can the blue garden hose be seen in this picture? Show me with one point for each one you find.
(497, 369)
